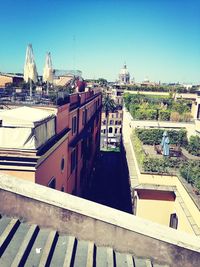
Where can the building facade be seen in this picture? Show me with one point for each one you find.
(57, 147)
(114, 128)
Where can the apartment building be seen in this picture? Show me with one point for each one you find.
(114, 127)
(53, 146)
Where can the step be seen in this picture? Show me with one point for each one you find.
(105, 257)
(10, 227)
(70, 252)
(35, 254)
(60, 251)
(4, 221)
(48, 249)
(123, 260)
(26, 246)
(91, 254)
(14, 244)
(142, 262)
(81, 254)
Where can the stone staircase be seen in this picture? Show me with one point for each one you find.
(23, 244)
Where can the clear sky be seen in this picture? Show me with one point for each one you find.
(159, 39)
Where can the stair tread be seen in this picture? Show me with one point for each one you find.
(25, 246)
(122, 260)
(48, 249)
(81, 254)
(13, 246)
(60, 250)
(101, 257)
(37, 248)
(142, 262)
(70, 251)
(4, 221)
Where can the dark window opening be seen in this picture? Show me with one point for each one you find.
(52, 183)
(62, 165)
(173, 221)
(74, 125)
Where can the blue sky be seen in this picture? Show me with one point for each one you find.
(159, 39)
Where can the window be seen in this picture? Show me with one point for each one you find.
(173, 221)
(74, 125)
(111, 122)
(110, 130)
(62, 165)
(73, 159)
(115, 130)
(52, 183)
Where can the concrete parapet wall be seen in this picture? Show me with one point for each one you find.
(103, 225)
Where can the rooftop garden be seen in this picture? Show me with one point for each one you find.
(162, 108)
(185, 162)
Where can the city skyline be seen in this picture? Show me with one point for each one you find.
(157, 39)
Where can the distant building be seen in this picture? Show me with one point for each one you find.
(114, 128)
(124, 75)
(7, 78)
(63, 77)
(50, 145)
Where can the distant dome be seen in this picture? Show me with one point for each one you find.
(124, 70)
(124, 76)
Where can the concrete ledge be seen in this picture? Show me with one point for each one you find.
(100, 224)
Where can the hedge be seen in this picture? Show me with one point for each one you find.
(154, 136)
(161, 165)
(194, 145)
(190, 171)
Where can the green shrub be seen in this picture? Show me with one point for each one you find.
(194, 145)
(145, 114)
(190, 171)
(154, 136)
(163, 165)
(164, 115)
